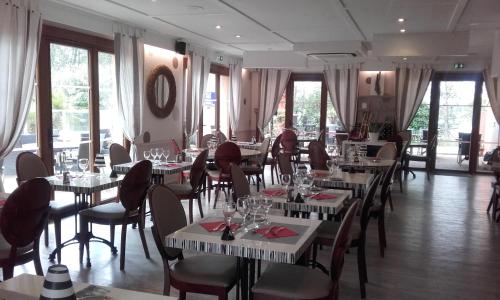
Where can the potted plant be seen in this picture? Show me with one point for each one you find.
(374, 131)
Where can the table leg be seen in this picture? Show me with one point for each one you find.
(244, 278)
(251, 278)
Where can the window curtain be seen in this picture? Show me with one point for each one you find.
(234, 93)
(198, 78)
(493, 90)
(129, 67)
(272, 84)
(20, 32)
(411, 85)
(342, 83)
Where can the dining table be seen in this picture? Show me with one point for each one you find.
(158, 169)
(249, 246)
(246, 154)
(319, 200)
(357, 183)
(249, 145)
(83, 185)
(366, 164)
(29, 287)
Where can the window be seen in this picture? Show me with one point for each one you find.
(215, 114)
(277, 124)
(488, 130)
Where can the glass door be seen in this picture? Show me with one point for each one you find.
(456, 107)
(489, 133)
(70, 90)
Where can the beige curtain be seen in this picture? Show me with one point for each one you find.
(272, 84)
(235, 70)
(493, 90)
(20, 31)
(411, 85)
(342, 83)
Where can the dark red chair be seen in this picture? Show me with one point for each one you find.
(132, 194)
(29, 166)
(328, 229)
(285, 281)
(257, 169)
(318, 156)
(22, 221)
(226, 154)
(289, 142)
(193, 189)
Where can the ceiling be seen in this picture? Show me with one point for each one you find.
(279, 24)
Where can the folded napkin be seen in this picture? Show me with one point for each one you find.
(276, 232)
(274, 192)
(320, 174)
(170, 165)
(322, 196)
(2, 202)
(218, 226)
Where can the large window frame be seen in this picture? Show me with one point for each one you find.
(218, 71)
(94, 45)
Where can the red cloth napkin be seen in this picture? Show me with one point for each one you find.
(276, 232)
(2, 202)
(173, 165)
(218, 226)
(321, 196)
(273, 192)
(320, 174)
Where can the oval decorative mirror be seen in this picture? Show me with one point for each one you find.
(160, 91)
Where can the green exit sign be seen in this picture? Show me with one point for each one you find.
(458, 66)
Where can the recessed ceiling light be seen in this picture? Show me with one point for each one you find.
(401, 20)
(237, 36)
(402, 30)
(405, 58)
(218, 27)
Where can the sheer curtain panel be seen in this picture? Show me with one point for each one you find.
(411, 85)
(20, 32)
(272, 84)
(234, 93)
(197, 84)
(493, 90)
(342, 83)
(129, 67)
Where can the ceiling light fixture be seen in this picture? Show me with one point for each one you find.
(218, 27)
(405, 58)
(238, 36)
(401, 20)
(402, 30)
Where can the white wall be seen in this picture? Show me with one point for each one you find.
(171, 126)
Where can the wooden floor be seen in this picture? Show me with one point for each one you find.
(441, 245)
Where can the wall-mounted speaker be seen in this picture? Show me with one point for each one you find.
(180, 47)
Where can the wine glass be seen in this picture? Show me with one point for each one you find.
(285, 179)
(68, 162)
(243, 208)
(147, 154)
(166, 153)
(228, 210)
(154, 153)
(83, 164)
(331, 166)
(266, 204)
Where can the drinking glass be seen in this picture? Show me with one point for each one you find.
(166, 153)
(243, 209)
(285, 179)
(228, 210)
(255, 206)
(331, 166)
(154, 153)
(147, 154)
(83, 164)
(68, 162)
(266, 204)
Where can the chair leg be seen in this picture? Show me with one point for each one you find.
(217, 192)
(390, 201)
(57, 231)
(200, 207)
(263, 179)
(36, 258)
(46, 234)
(381, 235)
(209, 185)
(112, 234)
(166, 278)
(190, 210)
(363, 278)
(8, 271)
(182, 295)
(143, 239)
(122, 246)
(272, 175)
